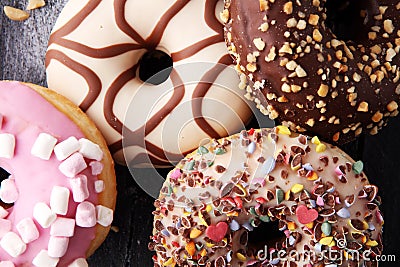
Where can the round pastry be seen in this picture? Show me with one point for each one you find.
(215, 202)
(326, 67)
(102, 55)
(58, 188)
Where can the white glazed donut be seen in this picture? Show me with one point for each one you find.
(93, 58)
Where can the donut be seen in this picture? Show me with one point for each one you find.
(58, 189)
(101, 55)
(315, 196)
(320, 67)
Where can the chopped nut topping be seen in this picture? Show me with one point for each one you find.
(390, 54)
(271, 55)
(310, 122)
(301, 25)
(263, 5)
(323, 90)
(295, 88)
(285, 49)
(291, 65)
(356, 77)
(388, 26)
(264, 27)
(372, 35)
(363, 107)
(288, 8)
(313, 19)
(282, 99)
(392, 106)
(291, 23)
(317, 36)
(33, 4)
(300, 72)
(377, 117)
(224, 15)
(15, 13)
(259, 43)
(285, 88)
(251, 67)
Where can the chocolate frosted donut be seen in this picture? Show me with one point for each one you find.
(215, 202)
(328, 68)
(101, 52)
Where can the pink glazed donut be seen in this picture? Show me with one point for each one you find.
(99, 50)
(56, 204)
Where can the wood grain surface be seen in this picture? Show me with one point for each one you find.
(22, 50)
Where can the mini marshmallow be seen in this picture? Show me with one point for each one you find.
(27, 230)
(57, 246)
(6, 264)
(43, 146)
(90, 150)
(104, 215)
(8, 191)
(13, 244)
(7, 145)
(3, 212)
(81, 262)
(59, 200)
(63, 227)
(44, 215)
(99, 186)
(73, 165)
(5, 227)
(43, 259)
(79, 188)
(86, 214)
(66, 148)
(97, 167)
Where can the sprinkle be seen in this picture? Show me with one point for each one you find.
(247, 226)
(297, 188)
(283, 130)
(190, 248)
(169, 262)
(326, 240)
(371, 243)
(343, 213)
(251, 148)
(320, 148)
(320, 201)
(279, 195)
(202, 150)
(291, 226)
(7, 146)
(312, 176)
(195, 233)
(305, 215)
(268, 166)
(241, 257)
(43, 146)
(217, 232)
(326, 228)
(265, 218)
(259, 180)
(220, 151)
(358, 167)
(189, 166)
(176, 174)
(315, 140)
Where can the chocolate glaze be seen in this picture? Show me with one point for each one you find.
(138, 43)
(340, 114)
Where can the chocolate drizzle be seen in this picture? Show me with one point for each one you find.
(156, 154)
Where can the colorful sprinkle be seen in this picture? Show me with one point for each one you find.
(202, 150)
(326, 228)
(217, 232)
(343, 213)
(326, 240)
(320, 148)
(190, 248)
(220, 151)
(195, 233)
(251, 148)
(297, 188)
(358, 167)
(279, 195)
(305, 215)
(241, 257)
(234, 226)
(176, 174)
(283, 130)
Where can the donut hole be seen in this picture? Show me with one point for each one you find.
(350, 20)
(155, 67)
(267, 234)
(4, 175)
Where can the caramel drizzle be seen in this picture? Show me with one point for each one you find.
(136, 137)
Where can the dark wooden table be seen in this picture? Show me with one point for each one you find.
(22, 50)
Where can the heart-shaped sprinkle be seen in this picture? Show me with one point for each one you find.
(305, 215)
(358, 167)
(217, 232)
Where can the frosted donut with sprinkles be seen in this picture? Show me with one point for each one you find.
(98, 50)
(330, 68)
(58, 189)
(317, 197)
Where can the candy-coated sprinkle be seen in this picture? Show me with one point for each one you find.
(169, 262)
(234, 225)
(203, 252)
(217, 232)
(208, 208)
(240, 256)
(165, 232)
(189, 166)
(326, 240)
(305, 215)
(343, 213)
(291, 226)
(320, 148)
(176, 174)
(260, 181)
(287, 195)
(248, 227)
(209, 245)
(202, 150)
(310, 225)
(195, 233)
(326, 228)
(358, 167)
(283, 130)
(190, 248)
(251, 131)
(371, 243)
(312, 176)
(320, 201)
(279, 195)
(315, 140)
(265, 218)
(220, 151)
(297, 188)
(268, 166)
(251, 148)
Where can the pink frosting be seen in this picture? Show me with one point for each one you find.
(26, 115)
